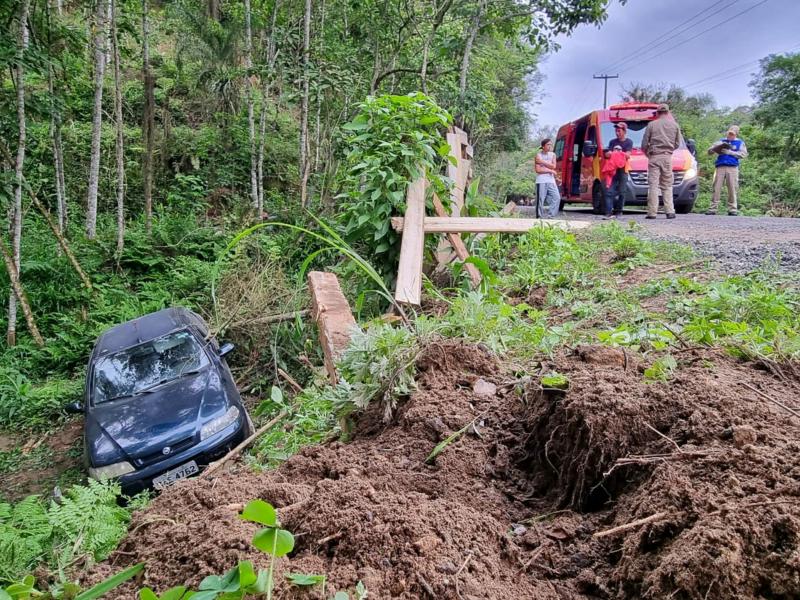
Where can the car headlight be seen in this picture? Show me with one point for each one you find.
(690, 173)
(218, 424)
(111, 471)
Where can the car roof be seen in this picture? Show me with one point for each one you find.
(143, 328)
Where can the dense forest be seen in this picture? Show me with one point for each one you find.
(210, 153)
(138, 137)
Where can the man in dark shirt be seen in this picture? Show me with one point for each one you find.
(615, 194)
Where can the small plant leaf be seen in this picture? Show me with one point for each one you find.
(446, 442)
(304, 579)
(247, 575)
(175, 593)
(341, 596)
(276, 394)
(261, 512)
(273, 541)
(105, 586)
(555, 381)
(144, 594)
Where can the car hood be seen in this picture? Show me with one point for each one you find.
(138, 429)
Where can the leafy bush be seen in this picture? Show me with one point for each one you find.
(393, 141)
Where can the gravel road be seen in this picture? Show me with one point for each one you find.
(739, 244)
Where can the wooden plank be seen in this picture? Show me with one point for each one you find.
(458, 244)
(488, 224)
(409, 271)
(334, 319)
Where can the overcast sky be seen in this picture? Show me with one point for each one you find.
(641, 29)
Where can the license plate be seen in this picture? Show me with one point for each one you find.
(171, 476)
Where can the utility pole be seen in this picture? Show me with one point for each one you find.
(605, 79)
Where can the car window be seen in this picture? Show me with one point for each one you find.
(559, 150)
(134, 370)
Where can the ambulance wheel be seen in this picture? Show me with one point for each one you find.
(598, 198)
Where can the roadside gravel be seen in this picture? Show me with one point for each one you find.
(739, 244)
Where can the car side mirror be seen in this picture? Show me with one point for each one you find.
(691, 145)
(74, 408)
(589, 149)
(226, 348)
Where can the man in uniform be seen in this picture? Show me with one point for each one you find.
(661, 138)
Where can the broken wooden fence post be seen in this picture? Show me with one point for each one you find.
(487, 224)
(409, 272)
(334, 319)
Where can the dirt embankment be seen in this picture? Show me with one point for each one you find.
(510, 510)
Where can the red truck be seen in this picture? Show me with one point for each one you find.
(579, 150)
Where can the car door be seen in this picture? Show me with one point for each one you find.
(587, 165)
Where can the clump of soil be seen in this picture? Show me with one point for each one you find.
(510, 510)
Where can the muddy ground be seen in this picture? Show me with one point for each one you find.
(616, 488)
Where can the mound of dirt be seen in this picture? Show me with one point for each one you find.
(698, 481)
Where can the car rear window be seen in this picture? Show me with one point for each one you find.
(134, 370)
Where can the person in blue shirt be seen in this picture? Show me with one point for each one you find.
(730, 151)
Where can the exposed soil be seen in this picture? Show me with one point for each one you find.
(508, 511)
(43, 461)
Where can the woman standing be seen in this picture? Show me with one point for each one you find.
(548, 199)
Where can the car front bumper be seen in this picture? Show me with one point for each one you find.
(203, 454)
(683, 193)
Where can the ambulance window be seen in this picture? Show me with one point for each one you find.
(559, 148)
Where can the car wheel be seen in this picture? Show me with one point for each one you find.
(598, 198)
(562, 205)
(683, 209)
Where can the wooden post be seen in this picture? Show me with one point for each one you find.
(334, 319)
(458, 244)
(409, 272)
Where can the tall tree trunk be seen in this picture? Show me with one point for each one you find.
(251, 119)
(317, 129)
(120, 137)
(213, 9)
(266, 86)
(473, 33)
(55, 131)
(148, 121)
(438, 18)
(304, 166)
(16, 219)
(97, 117)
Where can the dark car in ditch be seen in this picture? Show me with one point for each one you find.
(160, 402)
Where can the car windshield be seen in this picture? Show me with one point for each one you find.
(135, 370)
(635, 133)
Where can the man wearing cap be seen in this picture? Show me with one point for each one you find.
(661, 138)
(730, 149)
(615, 192)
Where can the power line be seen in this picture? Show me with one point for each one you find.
(747, 66)
(694, 37)
(660, 41)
